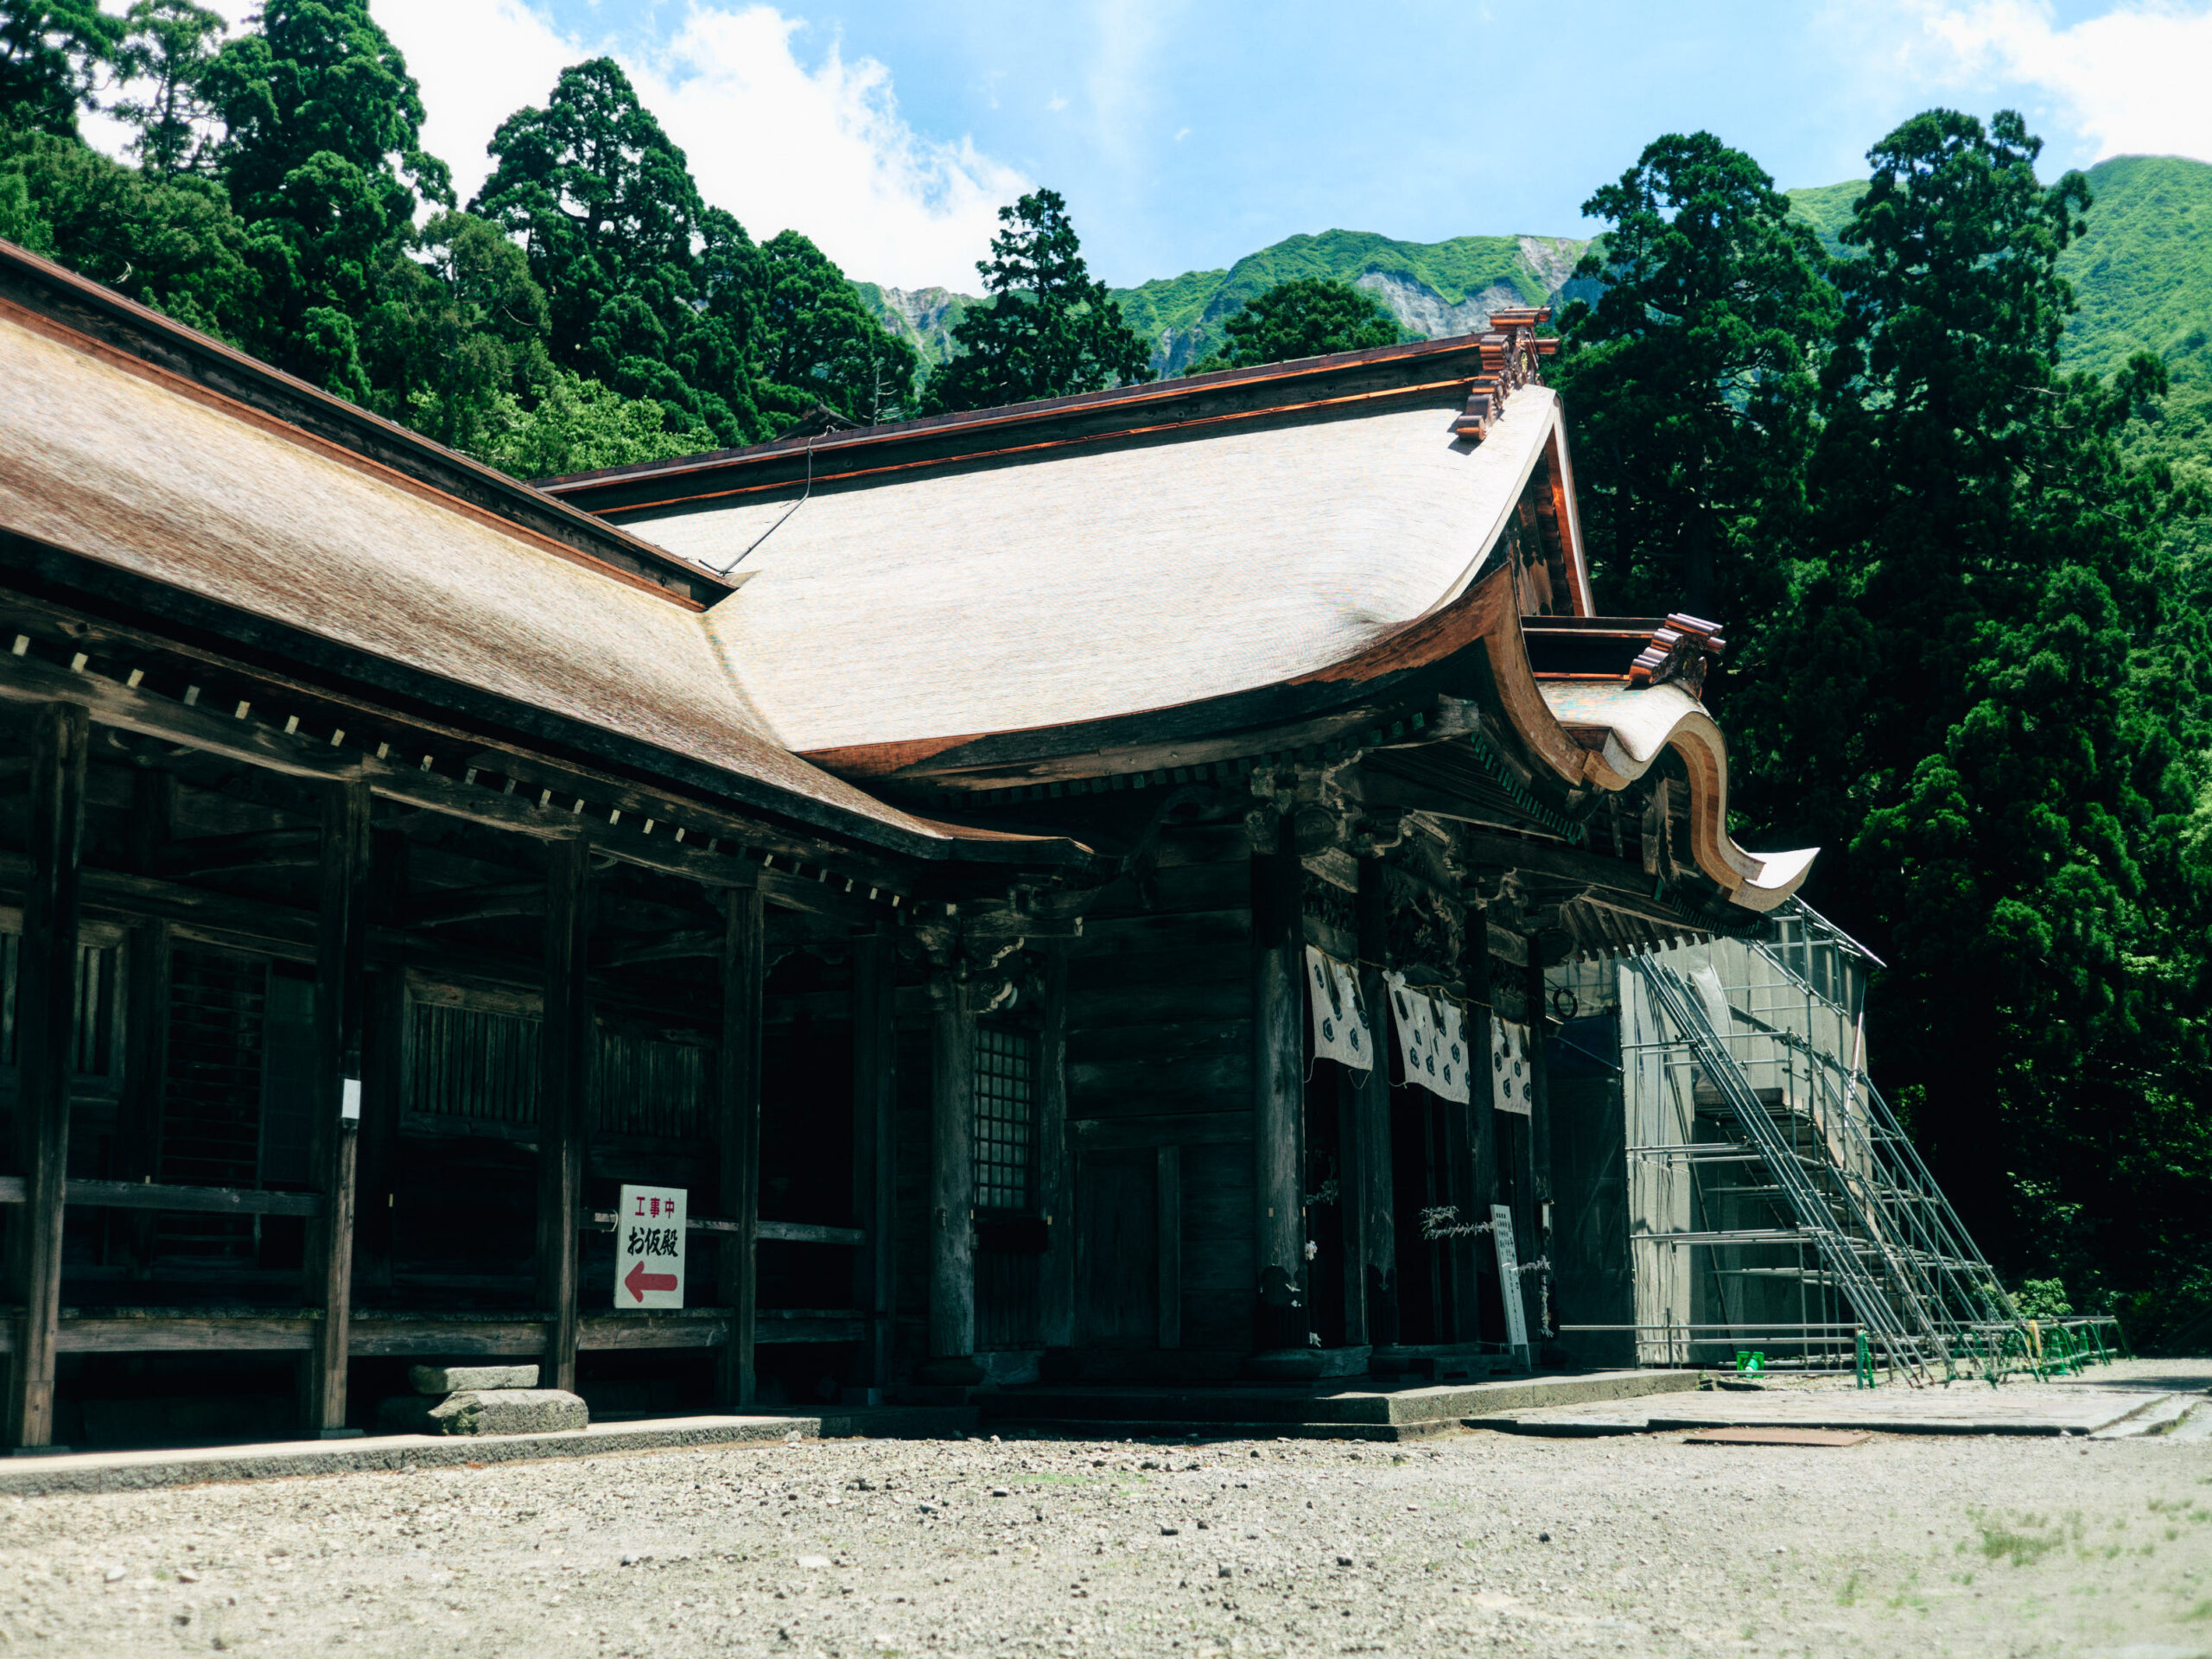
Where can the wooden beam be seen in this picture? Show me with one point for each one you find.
(45, 1029)
(1278, 1070)
(248, 740)
(564, 1076)
(221, 731)
(953, 1169)
(737, 1137)
(258, 849)
(875, 1099)
(1370, 1192)
(341, 1002)
(1055, 1165)
(143, 1196)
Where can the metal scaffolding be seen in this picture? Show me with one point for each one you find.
(1800, 1178)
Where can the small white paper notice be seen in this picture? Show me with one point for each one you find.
(1509, 1276)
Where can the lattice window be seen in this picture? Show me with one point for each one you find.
(1006, 1117)
(472, 1063)
(94, 1059)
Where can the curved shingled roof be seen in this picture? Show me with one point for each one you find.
(139, 470)
(896, 621)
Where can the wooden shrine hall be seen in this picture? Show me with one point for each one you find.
(955, 854)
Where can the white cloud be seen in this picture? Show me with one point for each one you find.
(821, 149)
(2133, 81)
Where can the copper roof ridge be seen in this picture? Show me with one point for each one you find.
(1006, 414)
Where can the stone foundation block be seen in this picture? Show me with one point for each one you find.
(452, 1379)
(509, 1411)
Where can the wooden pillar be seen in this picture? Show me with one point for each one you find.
(875, 1099)
(46, 1027)
(341, 997)
(953, 1174)
(1486, 1188)
(1540, 1144)
(566, 1041)
(737, 1137)
(1463, 1140)
(383, 1074)
(1055, 1168)
(146, 1029)
(1278, 1043)
(1369, 1193)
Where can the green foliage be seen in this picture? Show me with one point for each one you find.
(1691, 381)
(579, 425)
(321, 154)
(2043, 1299)
(1307, 316)
(1050, 330)
(821, 344)
(51, 53)
(1991, 601)
(458, 335)
(174, 245)
(165, 59)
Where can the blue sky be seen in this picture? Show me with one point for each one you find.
(1185, 135)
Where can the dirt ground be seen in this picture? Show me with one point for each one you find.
(1478, 1542)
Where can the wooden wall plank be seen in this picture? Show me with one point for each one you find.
(46, 1020)
(1170, 1164)
(1232, 1127)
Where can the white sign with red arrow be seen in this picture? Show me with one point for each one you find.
(648, 1246)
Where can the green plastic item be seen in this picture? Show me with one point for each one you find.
(1751, 1362)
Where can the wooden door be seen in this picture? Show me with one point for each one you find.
(1118, 1250)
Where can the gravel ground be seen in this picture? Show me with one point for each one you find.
(1478, 1541)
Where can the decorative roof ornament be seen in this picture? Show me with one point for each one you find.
(1679, 651)
(1511, 352)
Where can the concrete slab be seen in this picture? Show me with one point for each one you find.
(2024, 1407)
(1264, 1411)
(122, 1471)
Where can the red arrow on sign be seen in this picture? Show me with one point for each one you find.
(639, 1282)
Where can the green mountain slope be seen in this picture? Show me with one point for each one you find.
(1434, 289)
(2142, 272)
